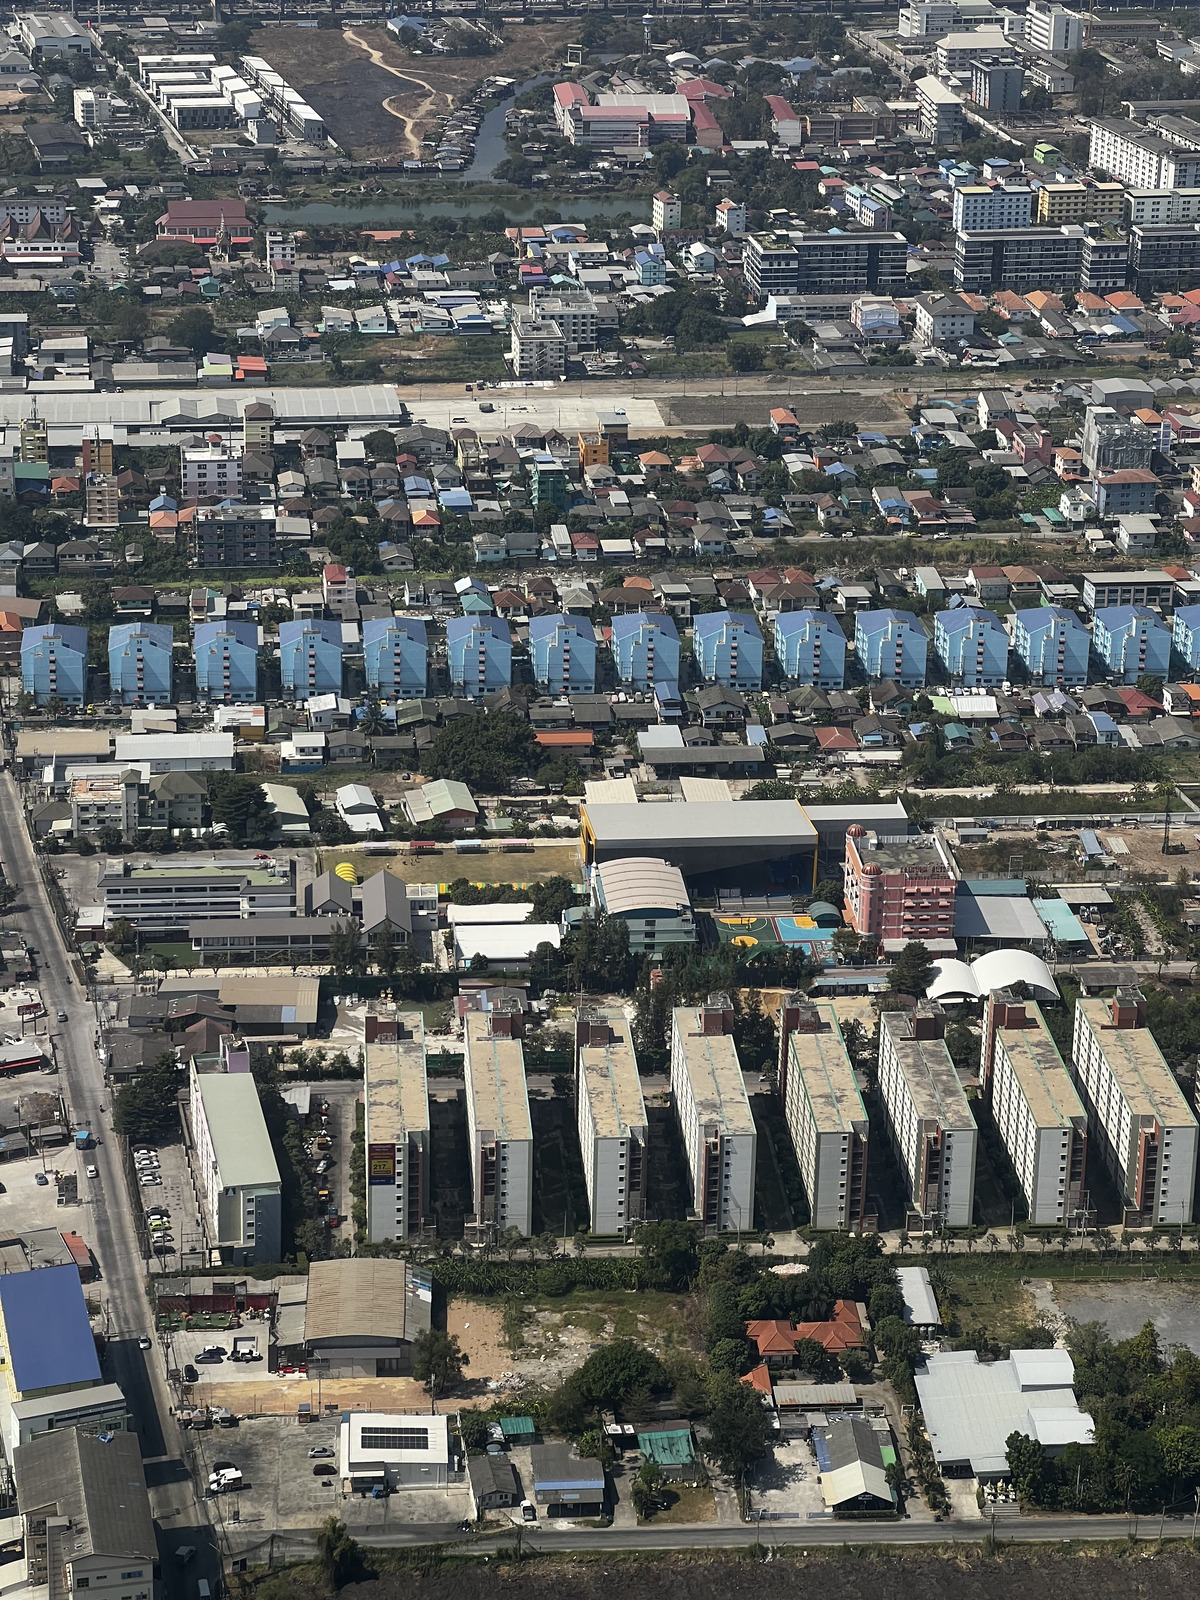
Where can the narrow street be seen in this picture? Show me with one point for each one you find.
(108, 1222)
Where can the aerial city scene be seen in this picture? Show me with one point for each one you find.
(599, 800)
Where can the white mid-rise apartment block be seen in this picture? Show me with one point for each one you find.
(992, 205)
(929, 1121)
(611, 1114)
(922, 20)
(396, 1128)
(574, 312)
(1037, 1110)
(537, 348)
(824, 1112)
(1138, 1116)
(1053, 28)
(1163, 205)
(1140, 158)
(498, 1125)
(210, 469)
(235, 1168)
(714, 1114)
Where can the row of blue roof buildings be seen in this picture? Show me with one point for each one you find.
(970, 643)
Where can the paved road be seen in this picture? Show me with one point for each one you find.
(109, 1225)
(793, 1535)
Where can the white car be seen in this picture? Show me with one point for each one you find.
(93, 1172)
(148, 1180)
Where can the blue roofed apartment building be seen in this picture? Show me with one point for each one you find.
(645, 646)
(226, 656)
(563, 653)
(1185, 635)
(310, 658)
(891, 644)
(1053, 644)
(729, 649)
(139, 663)
(1131, 641)
(396, 657)
(479, 652)
(54, 664)
(972, 646)
(810, 648)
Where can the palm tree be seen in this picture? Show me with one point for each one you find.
(903, 1242)
(373, 720)
(992, 1243)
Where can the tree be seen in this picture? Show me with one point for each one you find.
(196, 330)
(240, 806)
(438, 1362)
(912, 972)
(122, 935)
(1025, 1459)
(346, 955)
(671, 1251)
(381, 445)
(473, 1430)
(614, 1372)
(145, 1107)
(737, 1424)
(483, 751)
(813, 1358)
(383, 949)
(337, 1552)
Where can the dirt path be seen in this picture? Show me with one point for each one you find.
(425, 109)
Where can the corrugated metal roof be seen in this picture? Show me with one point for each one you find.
(50, 1342)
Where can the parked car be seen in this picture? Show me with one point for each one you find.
(528, 1511)
(40, 1179)
(145, 1342)
(190, 1375)
(319, 1452)
(93, 1172)
(212, 1352)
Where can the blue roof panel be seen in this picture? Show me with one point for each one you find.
(50, 1342)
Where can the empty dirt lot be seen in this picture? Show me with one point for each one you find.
(379, 101)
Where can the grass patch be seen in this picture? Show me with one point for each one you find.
(689, 1502)
(997, 1301)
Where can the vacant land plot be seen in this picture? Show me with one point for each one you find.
(493, 865)
(845, 1573)
(1124, 1308)
(379, 101)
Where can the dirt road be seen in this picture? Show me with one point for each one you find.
(427, 107)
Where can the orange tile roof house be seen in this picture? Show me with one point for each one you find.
(777, 1340)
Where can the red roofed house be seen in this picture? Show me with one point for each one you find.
(776, 1340)
(832, 740)
(337, 585)
(202, 221)
(706, 129)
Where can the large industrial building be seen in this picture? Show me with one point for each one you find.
(714, 1115)
(396, 1131)
(235, 1168)
(706, 838)
(363, 1316)
(1138, 1116)
(972, 1408)
(1036, 1109)
(928, 1118)
(85, 1518)
(50, 1377)
(824, 1111)
(498, 1125)
(613, 1129)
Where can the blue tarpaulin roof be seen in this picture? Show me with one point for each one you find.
(50, 1342)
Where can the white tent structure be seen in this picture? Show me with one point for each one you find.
(955, 981)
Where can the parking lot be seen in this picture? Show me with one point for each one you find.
(784, 1486)
(186, 1344)
(177, 1193)
(282, 1490)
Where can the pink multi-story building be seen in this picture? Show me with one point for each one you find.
(899, 889)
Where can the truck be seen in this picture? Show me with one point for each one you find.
(223, 1481)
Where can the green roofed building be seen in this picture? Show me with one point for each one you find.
(672, 1450)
